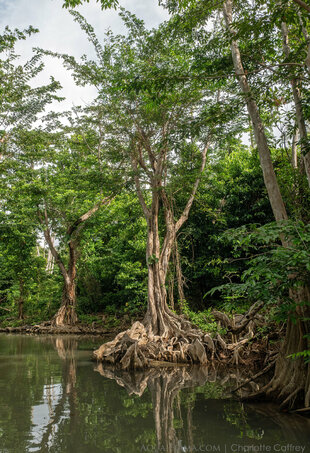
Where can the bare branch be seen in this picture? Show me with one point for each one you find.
(134, 166)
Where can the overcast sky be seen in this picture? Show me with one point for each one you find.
(59, 32)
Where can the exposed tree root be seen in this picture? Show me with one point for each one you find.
(179, 342)
(136, 348)
(290, 385)
(66, 316)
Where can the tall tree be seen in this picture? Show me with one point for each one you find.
(264, 66)
(60, 180)
(22, 102)
(156, 122)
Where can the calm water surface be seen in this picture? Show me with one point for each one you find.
(54, 399)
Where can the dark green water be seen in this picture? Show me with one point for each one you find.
(54, 399)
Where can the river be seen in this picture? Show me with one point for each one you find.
(53, 398)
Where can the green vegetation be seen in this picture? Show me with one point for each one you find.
(182, 188)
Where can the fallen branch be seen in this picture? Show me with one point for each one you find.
(254, 309)
(247, 318)
(304, 409)
(253, 378)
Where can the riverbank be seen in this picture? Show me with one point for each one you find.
(257, 355)
(110, 327)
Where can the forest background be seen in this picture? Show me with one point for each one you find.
(229, 79)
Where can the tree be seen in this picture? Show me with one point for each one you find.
(21, 105)
(74, 183)
(158, 132)
(285, 385)
(104, 3)
(291, 379)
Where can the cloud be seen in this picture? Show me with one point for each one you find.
(59, 33)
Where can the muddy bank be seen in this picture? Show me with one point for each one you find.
(79, 329)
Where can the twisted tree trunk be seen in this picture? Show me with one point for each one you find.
(163, 335)
(66, 315)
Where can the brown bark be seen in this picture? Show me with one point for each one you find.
(269, 175)
(66, 314)
(303, 5)
(21, 299)
(291, 379)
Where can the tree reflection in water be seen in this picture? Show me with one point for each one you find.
(164, 385)
(66, 406)
(52, 401)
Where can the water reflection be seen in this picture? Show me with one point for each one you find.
(173, 423)
(51, 400)
(59, 400)
(164, 386)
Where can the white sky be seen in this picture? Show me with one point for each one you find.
(59, 33)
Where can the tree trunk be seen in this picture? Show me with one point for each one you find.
(291, 379)
(290, 384)
(180, 278)
(66, 315)
(303, 5)
(307, 39)
(157, 319)
(163, 335)
(300, 119)
(294, 150)
(21, 299)
(270, 178)
(50, 259)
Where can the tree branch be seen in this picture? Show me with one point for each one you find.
(254, 309)
(185, 213)
(303, 5)
(146, 211)
(47, 235)
(76, 226)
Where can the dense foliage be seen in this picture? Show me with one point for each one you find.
(55, 170)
